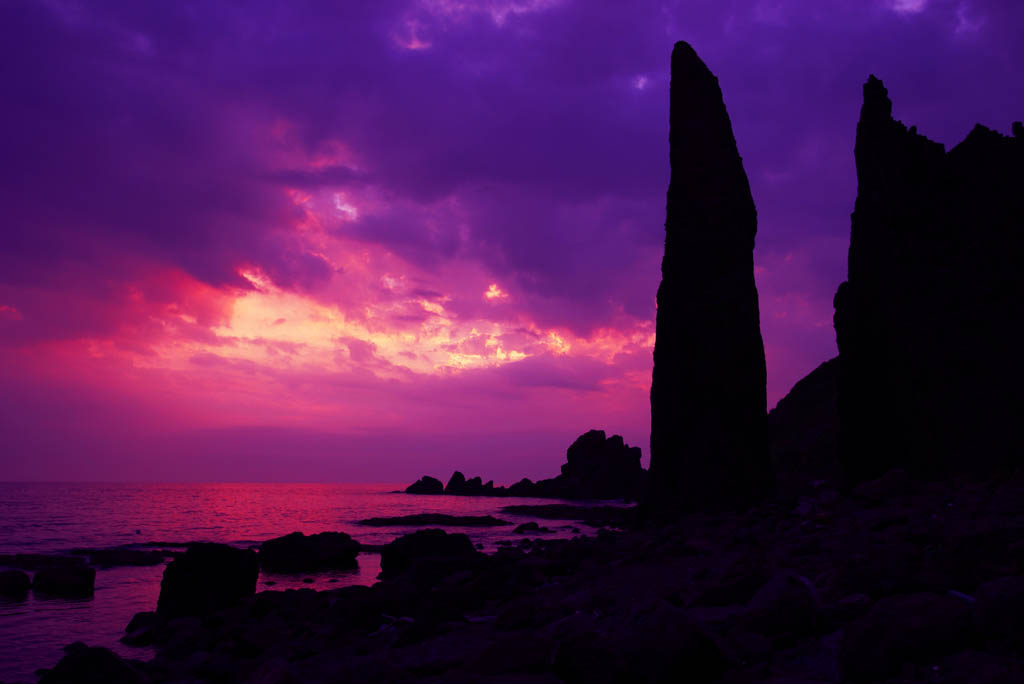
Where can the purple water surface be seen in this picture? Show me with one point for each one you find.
(55, 518)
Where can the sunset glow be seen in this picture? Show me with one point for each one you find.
(374, 240)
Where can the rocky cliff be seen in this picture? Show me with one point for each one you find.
(927, 324)
(708, 390)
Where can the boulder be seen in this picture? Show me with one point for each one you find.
(296, 552)
(910, 628)
(786, 606)
(708, 392)
(207, 578)
(142, 629)
(66, 582)
(84, 665)
(14, 583)
(427, 555)
(426, 485)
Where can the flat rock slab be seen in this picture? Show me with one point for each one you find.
(436, 519)
(596, 515)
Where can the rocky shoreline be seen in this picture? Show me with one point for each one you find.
(896, 581)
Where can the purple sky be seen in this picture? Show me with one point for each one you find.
(370, 240)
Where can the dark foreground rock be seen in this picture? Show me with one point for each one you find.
(84, 665)
(921, 586)
(426, 552)
(708, 448)
(206, 578)
(917, 628)
(296, 552)
(14, 583)
(437, 519)
(66, 582)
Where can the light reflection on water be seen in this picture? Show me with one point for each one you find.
(54, 518)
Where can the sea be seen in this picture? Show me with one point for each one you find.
(53, 518)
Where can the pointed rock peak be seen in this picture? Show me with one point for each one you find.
(684, 55)
(877, 104)
(687, 65)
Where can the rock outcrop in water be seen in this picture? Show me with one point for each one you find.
(927, 324)
(596, 467)
(14, 583)
(296, 552)
(67, 582)
(708, 390)
(206, 578)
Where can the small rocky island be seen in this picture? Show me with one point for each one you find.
(869, 529)
(596, 467)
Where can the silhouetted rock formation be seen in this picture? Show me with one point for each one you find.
(597, 467)
(803, 432)
(708, 389)
(14, 583)
(67, 581)
(206, 578)
(296, 552)
(426, 485)
(927, 324)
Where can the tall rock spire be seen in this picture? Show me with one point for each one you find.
(708, 390)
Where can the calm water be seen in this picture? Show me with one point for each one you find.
(54, 518)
